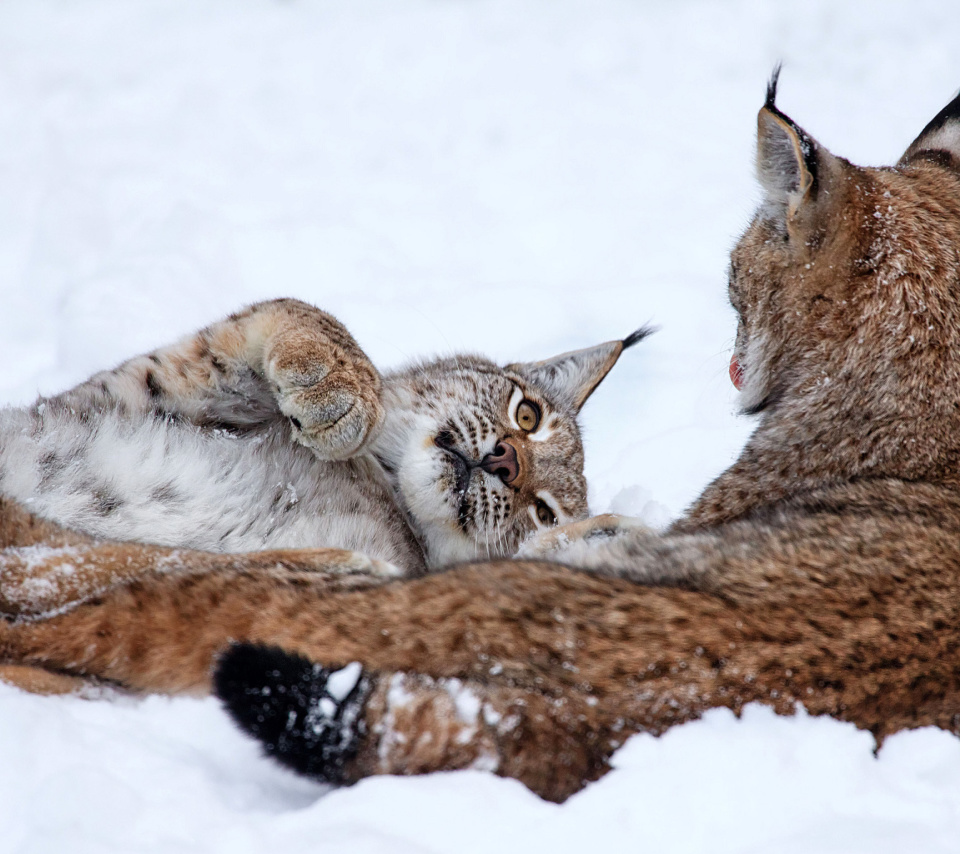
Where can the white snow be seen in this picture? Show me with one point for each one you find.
(516, 177)
(341, 682)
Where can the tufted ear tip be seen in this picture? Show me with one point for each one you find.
(638, 335)
(570, 378)
(771, 101)
(796, 172)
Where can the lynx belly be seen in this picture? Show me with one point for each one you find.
(168, 482)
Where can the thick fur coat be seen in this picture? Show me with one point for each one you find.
(822, 569)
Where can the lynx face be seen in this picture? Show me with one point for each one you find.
(483, 456)
(489, 459)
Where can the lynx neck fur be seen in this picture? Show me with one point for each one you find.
(272, 430)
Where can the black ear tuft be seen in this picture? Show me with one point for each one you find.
(638, 336)
(770, 103)
(788, 158)
(305, 716)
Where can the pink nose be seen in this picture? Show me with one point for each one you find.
(502, 462)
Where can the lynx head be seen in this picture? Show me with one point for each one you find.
(846, 283)
(481, 456)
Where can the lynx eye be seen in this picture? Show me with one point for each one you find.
(528, 416)
(545, 514)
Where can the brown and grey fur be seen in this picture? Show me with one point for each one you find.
(822, 569)
(272, 430)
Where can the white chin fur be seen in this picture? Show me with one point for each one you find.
(755, 383)
(420, 475)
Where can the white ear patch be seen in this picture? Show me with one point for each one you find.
(946, 138)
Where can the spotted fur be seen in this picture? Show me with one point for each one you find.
(272, 430)
(822, 568)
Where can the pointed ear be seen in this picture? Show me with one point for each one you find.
(570, 378)
(789, 161)
(940, 137)
(797, 173)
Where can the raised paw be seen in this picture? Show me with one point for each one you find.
(335, 410)
(307, 717)
(330, 418)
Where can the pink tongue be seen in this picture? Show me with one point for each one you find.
(736, 374)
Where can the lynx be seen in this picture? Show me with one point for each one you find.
(822, 568)
(271, 431)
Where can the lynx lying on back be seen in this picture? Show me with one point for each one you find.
(272, 429)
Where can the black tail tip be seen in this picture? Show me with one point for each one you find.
(638, 336)
(306, 716)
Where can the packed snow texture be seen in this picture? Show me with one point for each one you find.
(515, 177)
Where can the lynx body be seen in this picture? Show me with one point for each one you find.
(271, 430)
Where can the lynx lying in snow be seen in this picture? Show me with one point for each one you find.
(822, 568)
(272, 430)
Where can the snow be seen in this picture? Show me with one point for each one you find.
(515, 177)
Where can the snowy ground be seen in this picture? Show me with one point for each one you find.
(517, 177)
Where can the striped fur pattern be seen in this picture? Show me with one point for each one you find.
(272, 430)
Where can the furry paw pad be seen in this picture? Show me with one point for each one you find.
(332, 419)
(306, 716)
(335, 422)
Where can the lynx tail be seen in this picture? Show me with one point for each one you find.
(307, 717)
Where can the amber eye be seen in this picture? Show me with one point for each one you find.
(545, 514)
(528, 415)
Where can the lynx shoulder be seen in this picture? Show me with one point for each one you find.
(822, 568)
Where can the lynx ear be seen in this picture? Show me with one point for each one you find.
(941, 136)
(788, 159)
(570, 378)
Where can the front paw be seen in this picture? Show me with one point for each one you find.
(330, 394)
(335, 417)
(550, 544)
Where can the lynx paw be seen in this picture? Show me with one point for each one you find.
(334, 413)
(307, 717)
(343, 562)
(550, 543)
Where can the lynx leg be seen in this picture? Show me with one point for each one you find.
(550, 543)
(36, 680)
(41, 580)
(282, 358)
(341, 726)
(324, 382)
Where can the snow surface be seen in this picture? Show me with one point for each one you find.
(516, 177)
